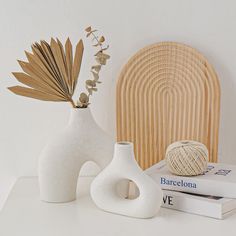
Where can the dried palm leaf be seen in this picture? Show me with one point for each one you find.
(50, 74)
(33, 93)
(69, 60)
(77, 62)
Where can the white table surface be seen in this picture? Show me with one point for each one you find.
(25, 215)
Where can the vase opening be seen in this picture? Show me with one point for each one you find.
(127, 189)
(122, 143)
(123, 151)
(80, 107)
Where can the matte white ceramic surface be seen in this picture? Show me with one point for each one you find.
(61, 160)
(124, 167)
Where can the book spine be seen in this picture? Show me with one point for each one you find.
(191, 205)
(194, 185)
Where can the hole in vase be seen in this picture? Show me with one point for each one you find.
(127, 189)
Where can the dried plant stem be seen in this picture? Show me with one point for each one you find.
(72, 103)
(100, 58)
(51, 73)
(95, 37)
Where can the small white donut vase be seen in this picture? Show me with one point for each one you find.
(124, 167)
(187, 158)
(61, 160)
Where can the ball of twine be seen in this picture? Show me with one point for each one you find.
(187, 158)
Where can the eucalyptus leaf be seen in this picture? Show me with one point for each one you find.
(97, 68)
(95, 75)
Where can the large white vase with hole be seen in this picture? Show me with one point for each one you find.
(61, 160)
(104, 191)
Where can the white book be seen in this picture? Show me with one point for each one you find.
(215, 207)
(218, 180)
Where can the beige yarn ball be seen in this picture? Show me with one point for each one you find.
(187, 158)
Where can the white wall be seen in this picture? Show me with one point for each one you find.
(25, 125)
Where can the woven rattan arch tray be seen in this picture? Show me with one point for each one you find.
(167, 92)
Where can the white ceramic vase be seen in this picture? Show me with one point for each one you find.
(124, 167)
(61, 160)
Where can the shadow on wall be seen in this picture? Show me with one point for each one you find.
(227, 140)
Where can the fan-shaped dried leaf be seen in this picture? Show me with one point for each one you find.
(33, 93)
(36, 62)
(44, 53)
(64, 59)
(36, 73)
(50, 60)
(34, 83)
(77, 62)
(41, 69)
(69, 60)
(60, 63)
(50, 73)
(52, 64)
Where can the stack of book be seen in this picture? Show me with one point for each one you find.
(212, 194)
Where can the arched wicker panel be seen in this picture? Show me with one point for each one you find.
(167, 92)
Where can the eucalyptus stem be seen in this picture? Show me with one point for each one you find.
(101, 58)
(95, 37)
